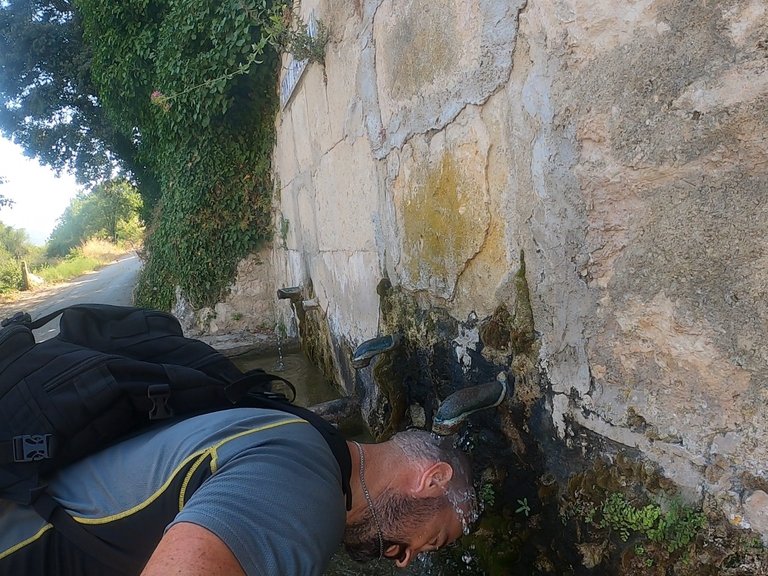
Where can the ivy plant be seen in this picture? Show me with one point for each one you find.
(193, 84)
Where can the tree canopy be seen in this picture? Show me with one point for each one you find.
(4, 201)
(50, 106)
(177, 96)
(14, 242)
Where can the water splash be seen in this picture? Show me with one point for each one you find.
(279, 332)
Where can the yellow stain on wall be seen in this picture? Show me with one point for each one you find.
(441, 227)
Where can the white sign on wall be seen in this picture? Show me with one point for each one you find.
(296, 68)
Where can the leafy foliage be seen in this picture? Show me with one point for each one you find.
(179, 95)
(49, 104)
(90, 255)
(674, 529)
(3, 200)
(101, 213)
(14, 242)
(293, 35)
(201, 236)
(195, 85)
(14, 247)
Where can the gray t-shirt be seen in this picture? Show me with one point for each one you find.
(273, 496)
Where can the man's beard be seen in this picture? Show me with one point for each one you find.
(397, 514)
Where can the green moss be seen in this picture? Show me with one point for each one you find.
(388, 375)
(401, 312)
(512, 331)
(522, 329)
(627, 508)
(493, 549)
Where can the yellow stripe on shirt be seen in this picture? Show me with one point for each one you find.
(201, 454)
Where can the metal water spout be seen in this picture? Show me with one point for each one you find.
(292, 293)
(369, 349)
(311, 304)
(455, 409)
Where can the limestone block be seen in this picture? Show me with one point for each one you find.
(442, 205)
(756, 511)
(286, 165)
(305, 224)
(252, 296)
(301, 138)
(347, 198)
(620, 145)
(298, 274)
(345, 282)
(665, 231)
(249, 306)
(434, 58)
(344, 106)
(314, 88)
(288, 207)
(600, 27)
(690, 386)
(486, 280)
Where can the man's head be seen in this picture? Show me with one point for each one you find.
(426, 499)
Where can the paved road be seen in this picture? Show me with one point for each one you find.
(113, 284)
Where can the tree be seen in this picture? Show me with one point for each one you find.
(14, 246)
(103, 212)
(113, 202)
(178, 96)
(14, 241)
(3, 200)
(48, 102)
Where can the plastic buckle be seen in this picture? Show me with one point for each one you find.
(18, 318)
(32, 447)
(159, 394)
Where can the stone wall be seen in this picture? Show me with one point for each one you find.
(621, 147)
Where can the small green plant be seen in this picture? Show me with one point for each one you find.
(524, 508)
(287, 31)
(237, 316)
(487, 495)
(305, 45)
(673, 529)
(624, 518)
(641, 551)
(678, 527)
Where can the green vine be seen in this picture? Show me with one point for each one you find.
(194, 86)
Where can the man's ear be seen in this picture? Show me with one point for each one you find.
(434, 479)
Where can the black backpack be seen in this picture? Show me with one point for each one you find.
(110, 371)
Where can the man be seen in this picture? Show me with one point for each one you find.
(243, 491)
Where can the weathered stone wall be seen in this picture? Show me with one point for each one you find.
(620, 146)
(247, 316)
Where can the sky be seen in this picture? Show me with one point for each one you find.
(40, 196)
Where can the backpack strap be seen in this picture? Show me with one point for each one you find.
(42, 321)
(259, 380)
(77, 535)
